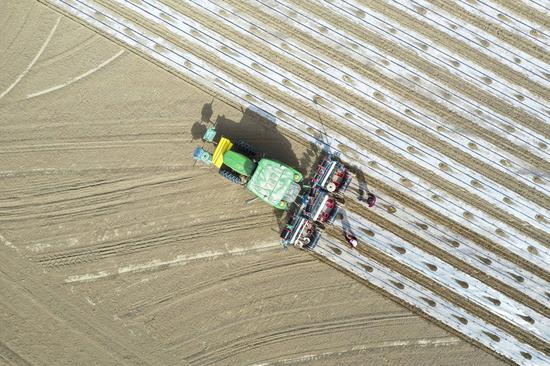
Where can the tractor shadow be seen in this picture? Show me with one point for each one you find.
(363, 188)
(346, 225)
(259, 129)
(262, 133)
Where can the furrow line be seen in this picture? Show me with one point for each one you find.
(412, 132)
(476, 57)
(391, 75)
(456, 249)
(452, 278)
(442, 67)
(413, 295)
(369, 249)
(530, 9)
(412, 166)
(522, 26)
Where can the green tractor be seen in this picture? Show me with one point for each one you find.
(272, 181)
(310, 205)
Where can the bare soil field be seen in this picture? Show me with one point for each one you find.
(115, 248)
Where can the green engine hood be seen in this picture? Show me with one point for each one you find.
(272, 180)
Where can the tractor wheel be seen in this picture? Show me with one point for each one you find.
(371, 200)
(229, 175)
(331, 187)
(245, 148)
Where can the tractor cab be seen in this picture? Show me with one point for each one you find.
(275, 183)
(272, 181)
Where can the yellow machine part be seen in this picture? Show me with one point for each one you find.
(223, 146)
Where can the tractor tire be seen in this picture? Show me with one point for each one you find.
(331, 187)
(245, 148)
(371, 200)
(231, 176)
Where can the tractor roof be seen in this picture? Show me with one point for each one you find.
(271, 180)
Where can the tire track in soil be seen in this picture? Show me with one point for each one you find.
(42, 189)
(95, 145)
(10, 357)
(148, 307)
(360, 102)
(255, 341)
(147, 242)
(102, 198)
(437, 72)
(67, 53)
(359, 138)
(426, 246)
(47, 172)
(446, 294)
(24, 72)
(86, 199)
(68, 315)
(184, 340)
(22, 26)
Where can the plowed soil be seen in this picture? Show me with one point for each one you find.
(116, 249)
